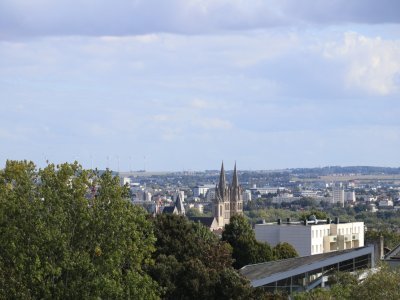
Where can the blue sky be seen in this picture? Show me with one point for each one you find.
(183, 84)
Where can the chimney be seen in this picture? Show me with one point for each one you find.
(381, 250)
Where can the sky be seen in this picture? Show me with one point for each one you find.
(184, 84)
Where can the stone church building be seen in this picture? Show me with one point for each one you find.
(228, 199)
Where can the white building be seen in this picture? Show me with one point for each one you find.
(198, 206)
(266, 190)
(284, 198)
(338, 195)
(350, 196)
(201, 190)
(385, 203)
(125, 180)
(147, 196)
(313, 239)
(180, 194)
(246, 196)
(309, 193)
(210, 194)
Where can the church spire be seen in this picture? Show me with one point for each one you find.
(179, 204)
(235, 180)
(222, 180)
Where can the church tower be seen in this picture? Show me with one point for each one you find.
(221, 200)
(228, 199)
(236, 192)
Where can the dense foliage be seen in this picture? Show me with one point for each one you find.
(68, 233)
(383, 284)
(246, 249)
(192, 263)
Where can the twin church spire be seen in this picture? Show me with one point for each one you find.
(228, 198)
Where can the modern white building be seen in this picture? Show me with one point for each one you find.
(265, 190)
(284, 198)
(201, 190)
(350, 196)
(313, 239)
(210, 194)
(338, 195)
(309, 193)
(198, 206)
(246, 196)
(125, 180)
(385, 203)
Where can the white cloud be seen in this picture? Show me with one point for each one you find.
(373, 64)
(200, 104)
(214, 123)
(127, 17)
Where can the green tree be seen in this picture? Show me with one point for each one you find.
(316, 294)
(284, 250)
(343, 285)
(66, 232)
(192, 263)
(320, 215)
(383, 284)
(246, 249)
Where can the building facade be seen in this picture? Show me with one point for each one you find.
(228, 199)
(338, 195)
(313, 239)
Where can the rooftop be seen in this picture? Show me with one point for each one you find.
(263, 270)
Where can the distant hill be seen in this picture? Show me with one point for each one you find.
(362, 170)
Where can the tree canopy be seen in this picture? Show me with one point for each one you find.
(284, 250)
(246, 249)
(192, 263)
(66, 232)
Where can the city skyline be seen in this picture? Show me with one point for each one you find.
(183, 85)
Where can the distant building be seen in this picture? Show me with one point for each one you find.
(308, 193)
(210, 196)
(178, 207)
(350, 196)
(209, 222)
(384, 203)
(199, 207)
(228, 199)
(284, 198)
(125, 180)
(201, 190)
(315, 238)
(265, 190)
(246, 196)
(147, 196)
(338, 195)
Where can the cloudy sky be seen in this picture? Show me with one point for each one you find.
(184, 84)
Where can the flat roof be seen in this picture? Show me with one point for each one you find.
(264, 273)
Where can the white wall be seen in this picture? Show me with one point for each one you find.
(307, 240)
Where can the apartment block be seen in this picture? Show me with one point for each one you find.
(312, 238)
